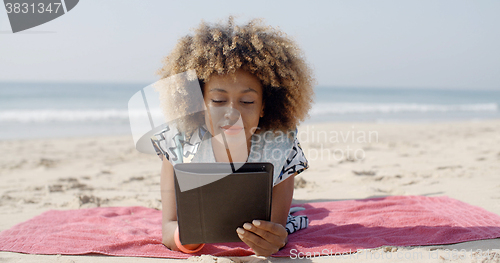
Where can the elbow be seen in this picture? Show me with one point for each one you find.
(167, 237)
(168, 242)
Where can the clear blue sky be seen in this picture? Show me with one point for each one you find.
(442, 44)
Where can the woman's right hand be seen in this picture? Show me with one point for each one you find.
(264, 237)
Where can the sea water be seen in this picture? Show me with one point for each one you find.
(404, 104)
(51, 110)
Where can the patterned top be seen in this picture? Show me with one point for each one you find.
(280, 150)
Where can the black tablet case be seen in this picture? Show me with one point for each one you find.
(211, 213)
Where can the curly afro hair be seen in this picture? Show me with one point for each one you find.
(261, 50)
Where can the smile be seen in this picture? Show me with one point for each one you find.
(231, 130)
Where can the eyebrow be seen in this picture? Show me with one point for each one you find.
(225, 91)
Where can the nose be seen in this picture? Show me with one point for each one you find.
(231, 113)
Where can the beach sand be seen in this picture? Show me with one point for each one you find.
(347, 161)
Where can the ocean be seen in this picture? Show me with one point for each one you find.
(52, 110)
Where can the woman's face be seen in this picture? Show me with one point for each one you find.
(234, 105)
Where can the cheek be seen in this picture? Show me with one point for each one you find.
(251, 118)
(211, 119)
(207, 121)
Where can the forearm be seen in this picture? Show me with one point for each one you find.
(169, 215)
(282, 200)
(168, 229)
(168, 237)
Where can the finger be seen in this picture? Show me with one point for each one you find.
(271, 227)
(259, 248)
(256, 249)
(268, 236)
(255, 239)
(259, 251)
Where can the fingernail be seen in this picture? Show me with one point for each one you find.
(256, 222)
(240, 231)
(247, 226)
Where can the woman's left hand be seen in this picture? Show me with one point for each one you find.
(264, 237)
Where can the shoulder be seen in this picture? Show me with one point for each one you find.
(282, 149)
(176, 145)
(295, 163)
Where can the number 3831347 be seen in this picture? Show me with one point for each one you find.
(40, 8)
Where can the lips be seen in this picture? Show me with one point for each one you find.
(231, 130)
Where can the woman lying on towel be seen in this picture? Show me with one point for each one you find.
(253, 81)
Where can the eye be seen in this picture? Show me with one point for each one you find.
(218, 101)
(248, 102)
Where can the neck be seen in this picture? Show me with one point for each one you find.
(229, 153)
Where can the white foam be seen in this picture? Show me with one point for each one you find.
(346, 108)
(51, 115)
(44, 115)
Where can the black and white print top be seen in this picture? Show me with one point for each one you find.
(280, 150)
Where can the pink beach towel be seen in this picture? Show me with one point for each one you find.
(337, 227)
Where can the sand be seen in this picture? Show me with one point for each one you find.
(347, 161)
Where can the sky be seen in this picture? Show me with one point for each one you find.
(356, 43)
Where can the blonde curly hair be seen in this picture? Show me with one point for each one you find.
(261, 50)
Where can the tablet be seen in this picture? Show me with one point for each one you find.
(212, 212)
